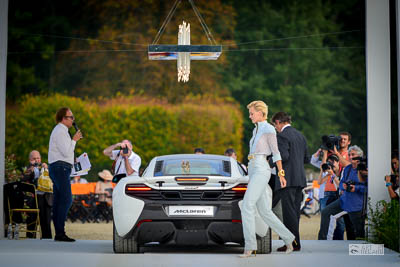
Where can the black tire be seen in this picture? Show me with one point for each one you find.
(264, 244)
(124, 245)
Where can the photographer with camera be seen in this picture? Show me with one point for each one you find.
(32, 171)
(329, 175)
(337, 145)
(126, 162)
(392, 180)
(342, 153)
(31, 175)
(352, 198)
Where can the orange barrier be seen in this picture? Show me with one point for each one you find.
(315, 184)
(83, 189)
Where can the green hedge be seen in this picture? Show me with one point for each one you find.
(155, 128)
(384, 224)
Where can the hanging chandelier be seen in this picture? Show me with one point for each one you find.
(184, 52)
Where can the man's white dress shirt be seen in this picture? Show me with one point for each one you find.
(61, 146)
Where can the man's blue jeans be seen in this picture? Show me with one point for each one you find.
(60, 175)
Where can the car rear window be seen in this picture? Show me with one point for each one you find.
(192, 167)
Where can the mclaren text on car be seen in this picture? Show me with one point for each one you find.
(183, 200)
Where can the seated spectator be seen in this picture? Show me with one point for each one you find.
(199, 150)
(352, 194)
(78, 180)
(32, 171)
(230, 152)
(104, 187)
(392, 180)
(45, 199)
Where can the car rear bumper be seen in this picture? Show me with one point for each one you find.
(215, 233)
(155, 225)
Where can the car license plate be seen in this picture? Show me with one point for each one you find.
(191, 211)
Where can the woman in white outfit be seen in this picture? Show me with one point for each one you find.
(262, 144)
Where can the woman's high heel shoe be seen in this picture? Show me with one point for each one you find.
(248, 253)
(289, 249)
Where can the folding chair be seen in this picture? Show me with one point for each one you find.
(81, 204)
(22, 207)
(102, 209)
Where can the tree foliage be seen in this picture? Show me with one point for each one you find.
(154, 127)
(301, 75)
(32, 43)
(123, 66)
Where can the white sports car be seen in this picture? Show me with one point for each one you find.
(186, 199)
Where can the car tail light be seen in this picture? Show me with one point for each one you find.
(137, 187)
(191, 179)
(237, 221)
(240, 188)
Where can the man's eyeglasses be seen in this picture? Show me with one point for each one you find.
(69, 117)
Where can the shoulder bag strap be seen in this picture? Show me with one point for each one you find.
(119, 165)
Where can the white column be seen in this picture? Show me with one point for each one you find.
(378, 97)
(3, 72)
(398, 72)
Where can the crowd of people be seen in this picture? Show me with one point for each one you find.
(343, 179)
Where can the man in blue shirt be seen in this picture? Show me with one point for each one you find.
(352, 198)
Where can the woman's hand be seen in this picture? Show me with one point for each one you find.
(281, 173)
(283, 181)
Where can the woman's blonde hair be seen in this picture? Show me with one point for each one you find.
(259, 105)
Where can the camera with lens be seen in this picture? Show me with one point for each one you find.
(36, 164)
(326, 166)
(330, 141)
(349, 183)
(125, 150)
(362, 164)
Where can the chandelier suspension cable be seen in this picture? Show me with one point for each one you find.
(166, 21)
(203, 23)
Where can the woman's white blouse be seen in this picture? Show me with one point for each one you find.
(264, 141)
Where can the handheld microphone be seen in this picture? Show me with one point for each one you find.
(76, 127)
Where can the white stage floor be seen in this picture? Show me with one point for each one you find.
(99, 253)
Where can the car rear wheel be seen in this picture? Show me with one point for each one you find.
(124, 245)
(264, 245)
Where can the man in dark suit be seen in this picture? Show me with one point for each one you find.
(293, 148)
